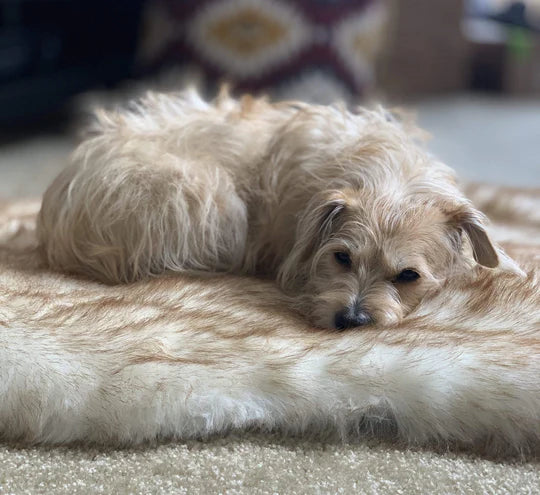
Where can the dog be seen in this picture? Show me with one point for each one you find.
(345, 210)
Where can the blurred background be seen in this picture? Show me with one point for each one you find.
(469, 69)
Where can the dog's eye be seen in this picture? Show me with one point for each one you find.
(407, 275)
(342, 258)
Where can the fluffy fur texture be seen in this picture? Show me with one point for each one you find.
(178, 184)
(182, 357)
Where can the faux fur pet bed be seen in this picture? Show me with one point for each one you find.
(186, 357)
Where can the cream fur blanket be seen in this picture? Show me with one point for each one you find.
(186, 357)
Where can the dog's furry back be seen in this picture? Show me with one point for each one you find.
(145, 193)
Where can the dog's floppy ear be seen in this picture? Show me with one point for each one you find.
(315, 224)
(319, 219)
(471, 222)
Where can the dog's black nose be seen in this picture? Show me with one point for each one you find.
(348, 318)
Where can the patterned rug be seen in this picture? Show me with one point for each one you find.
(322, 50)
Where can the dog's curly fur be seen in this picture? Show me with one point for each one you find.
(178, 184)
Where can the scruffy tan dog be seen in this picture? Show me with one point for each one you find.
(346, 211)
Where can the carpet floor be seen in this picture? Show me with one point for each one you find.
(256, 464)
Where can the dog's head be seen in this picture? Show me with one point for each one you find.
(380, 223)
(360, 259)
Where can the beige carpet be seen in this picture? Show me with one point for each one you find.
(259, 465)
